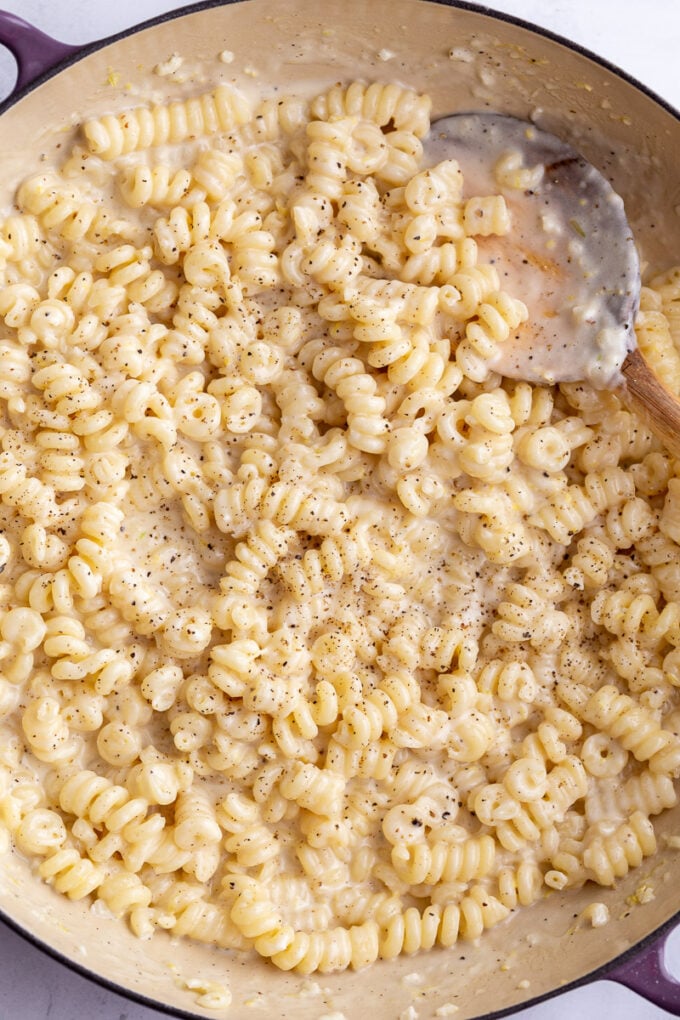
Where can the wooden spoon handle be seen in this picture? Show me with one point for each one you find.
(656, 405)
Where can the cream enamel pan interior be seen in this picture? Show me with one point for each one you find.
(629, 135)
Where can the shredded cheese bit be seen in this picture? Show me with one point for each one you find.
(597, 914)
(210, 994)
(643, 894)
(311, 988)
(169, 66)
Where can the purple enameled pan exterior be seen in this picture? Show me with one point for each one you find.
(640, 968)
(34, 52)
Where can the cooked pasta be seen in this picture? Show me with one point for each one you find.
(322, 640)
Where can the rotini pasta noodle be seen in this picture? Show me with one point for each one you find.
(143, 128)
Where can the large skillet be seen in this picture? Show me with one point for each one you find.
(635, 139)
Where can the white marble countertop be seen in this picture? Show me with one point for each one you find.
(642, 39)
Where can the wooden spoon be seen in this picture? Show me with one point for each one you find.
(570, 256)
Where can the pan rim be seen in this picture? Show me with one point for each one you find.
(651, 938)
(466, 5)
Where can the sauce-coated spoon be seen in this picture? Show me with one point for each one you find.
(570, 256)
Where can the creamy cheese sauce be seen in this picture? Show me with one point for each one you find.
(570, 254)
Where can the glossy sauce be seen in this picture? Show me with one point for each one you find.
(569, 256)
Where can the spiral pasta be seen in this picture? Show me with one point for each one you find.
(143, 128)
(610, 857)
(309, 615)
(64, 210)
(70, 873)
(444, 862)
(379, 103)
(155, 185)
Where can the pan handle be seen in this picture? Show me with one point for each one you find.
(34, 52)
(646, 974)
